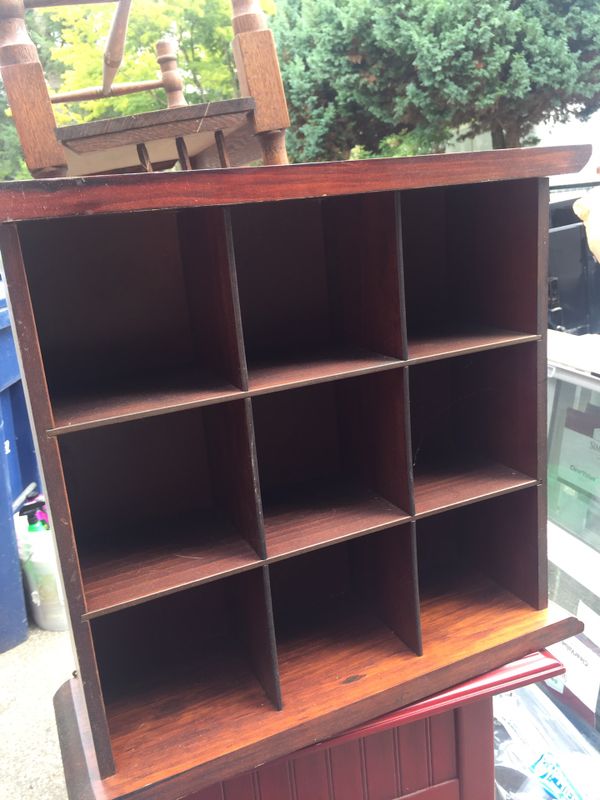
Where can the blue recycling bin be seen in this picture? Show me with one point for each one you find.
(18, 469)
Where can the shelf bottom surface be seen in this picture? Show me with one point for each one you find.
(339, 672)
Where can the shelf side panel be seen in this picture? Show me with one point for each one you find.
(362, 248)
(212, 293)
(34, 379)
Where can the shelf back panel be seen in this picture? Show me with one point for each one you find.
(470, 257)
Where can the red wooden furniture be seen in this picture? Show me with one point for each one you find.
(292, 424)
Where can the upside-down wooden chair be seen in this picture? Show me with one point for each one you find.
(220, 133)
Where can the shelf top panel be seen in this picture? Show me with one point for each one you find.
(67, 197)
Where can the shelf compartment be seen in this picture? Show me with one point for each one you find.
(319, 288)
(497, 540)
(357, 598)
(206, 655)
(473, 426)
(343, 671)
(470, 265)
(152, 322)
(162, 503)
(332, 460)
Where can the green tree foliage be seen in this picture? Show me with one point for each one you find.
(359, 72)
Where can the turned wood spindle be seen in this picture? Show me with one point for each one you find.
(166, 55)
(259, 77)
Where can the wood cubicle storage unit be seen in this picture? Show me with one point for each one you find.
(292, 424)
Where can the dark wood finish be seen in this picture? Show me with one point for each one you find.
(461, 285)
(473, 426)
(263, 734)
(329, 363)
(20, 200)
(151, 323)
(323, 288)
(220, 652)
(375, 753)
(299, 521)
(193, 517)
(257, 362)
(332, 460)
(483, 538)
(430, 346)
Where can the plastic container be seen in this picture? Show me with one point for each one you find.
(40, 569)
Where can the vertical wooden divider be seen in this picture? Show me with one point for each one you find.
(205, 239)
(386, 567)
(255, 612)
(256, 609)
(40, 412)
(230, 437)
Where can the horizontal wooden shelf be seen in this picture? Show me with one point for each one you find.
(458, 483)
(147, 396)
(428, 347)
(308, 368)
(362, 670)
(308, 520)
(133, 573)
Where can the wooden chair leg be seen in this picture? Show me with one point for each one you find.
(273, 147)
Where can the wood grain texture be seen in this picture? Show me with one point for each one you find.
(330, 363)
(20, 200)
(362, 251)
(482, 438)
(376, 751)
(331, 471)
(465, 481)
(499, 628)
(196, 553)
(498, 538)
(193, 517)
(168, 123)
(433, 345)
(32, 112)
(303, 521)
(211, 290)
(259, 77)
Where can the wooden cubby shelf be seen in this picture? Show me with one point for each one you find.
(192, 517)
(474, 429)
(333, 307)
(332, 461)
(324, 497)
